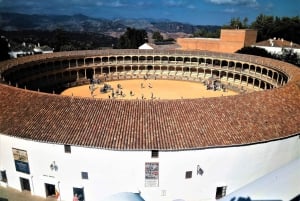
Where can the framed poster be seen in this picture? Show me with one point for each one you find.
(151, 174)
(21, 160)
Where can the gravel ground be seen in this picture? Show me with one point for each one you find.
(9, 194)
(149, 89)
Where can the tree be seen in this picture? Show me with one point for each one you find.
(269, 27)
(60, 39)
(157, 37)
(4, 49)
(132, 39)
(236, 23)
(245, 22)
(288, 55)
(255, 51)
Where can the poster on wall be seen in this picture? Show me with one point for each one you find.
(151, 174)
(21, 160)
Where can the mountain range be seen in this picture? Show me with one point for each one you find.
(82, 23)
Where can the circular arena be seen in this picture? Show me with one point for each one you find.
(160, 149)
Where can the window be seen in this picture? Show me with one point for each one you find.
(154, 154)
(188, 174)
(67, 148)
(220, 192)
(84, 175)
(3, 176)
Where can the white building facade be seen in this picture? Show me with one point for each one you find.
(47, 169)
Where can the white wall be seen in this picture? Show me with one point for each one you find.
(111, 171)
(145, 46)
(277, 50)
(281, 184)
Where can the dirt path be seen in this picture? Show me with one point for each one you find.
(148, 89)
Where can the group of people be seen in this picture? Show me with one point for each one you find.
(149, 85)
(118, 92)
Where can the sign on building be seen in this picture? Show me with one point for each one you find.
(151, 174)
(21, 160)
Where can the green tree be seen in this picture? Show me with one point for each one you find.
(236, 23)
(60, 40)
(288, 55)
(132, 39)
(255, 51)
(268, 27)
(207, 33)
(245, 22)
(4, 49)
(264, 25)
(157, 36)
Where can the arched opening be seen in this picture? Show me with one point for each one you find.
(142, 59)
(194, 60)
(105, 59)
(209, 61)
(150, 59)
(112, 59)
(224, 63)
(238, 66)
(120, 59)
(164, 59)
(97, 60)
(127, 68)
(264, 71)
(134, 59)
(127, 59)
(245, 66)
(156, 58)
(149, 67)
(179, 60)
(231, 64)
(89, 73)
(88, 61)
(216, 63)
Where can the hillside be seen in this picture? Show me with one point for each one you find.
(82, 23)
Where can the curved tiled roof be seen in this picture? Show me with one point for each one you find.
(153, 124)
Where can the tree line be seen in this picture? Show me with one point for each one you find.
(268, 27)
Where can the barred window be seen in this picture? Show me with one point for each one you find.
(154, 154)
(67, 148)
(84, 175)
(221, 192)
(188, 174)
(3, 176)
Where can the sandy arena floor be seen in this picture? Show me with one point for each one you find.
(148, 89)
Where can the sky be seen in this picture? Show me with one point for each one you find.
(197, 12)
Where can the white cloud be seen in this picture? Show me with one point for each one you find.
(191, 6)
(174, 3)
(251, 3)
(117, 3)
(99, 3)
(230, 10)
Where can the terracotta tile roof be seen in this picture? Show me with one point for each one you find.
(153, 124)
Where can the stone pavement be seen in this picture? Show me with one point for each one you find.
(9, 194)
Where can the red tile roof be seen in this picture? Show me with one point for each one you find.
(153, 124)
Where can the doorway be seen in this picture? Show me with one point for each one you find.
(25, 185)
(50, 189)
(79, 192)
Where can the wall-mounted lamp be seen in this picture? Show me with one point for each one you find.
(199, 170)
(53, 166)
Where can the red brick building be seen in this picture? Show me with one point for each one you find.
(230, 41)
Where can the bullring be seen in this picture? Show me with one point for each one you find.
(118, 142)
